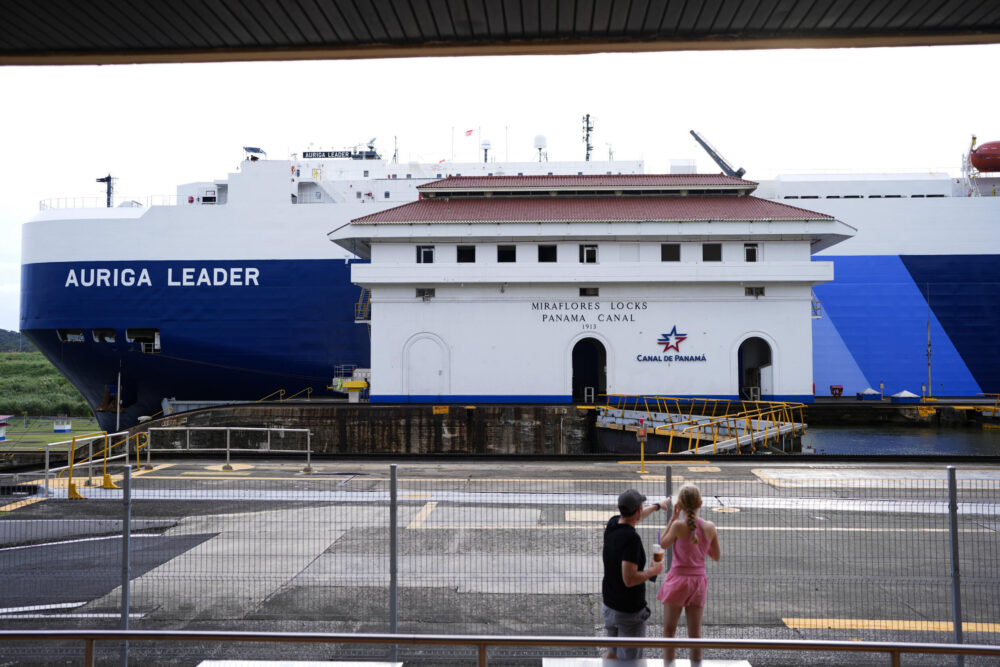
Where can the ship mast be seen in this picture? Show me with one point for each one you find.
(110, 181)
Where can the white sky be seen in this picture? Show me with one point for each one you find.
(154, 126)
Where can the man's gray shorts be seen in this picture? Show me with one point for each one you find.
(621, 624)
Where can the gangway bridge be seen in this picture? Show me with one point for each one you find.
(704, 425)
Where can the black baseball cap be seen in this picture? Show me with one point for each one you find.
(629, 501)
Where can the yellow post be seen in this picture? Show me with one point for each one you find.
(108, 484)
(72, 492)
(640, 435)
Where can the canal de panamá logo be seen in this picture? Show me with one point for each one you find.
(671, 341)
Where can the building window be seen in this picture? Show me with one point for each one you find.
(425, 254)
(589, 291)
(753, 291)
(425, 293)
(439, 175)
(506, 253)
(104, 335)
(546, 253)
(588, 254)
(357, 194)
(711, 252)
(409, 175)
(670, 252)
(750, 252)
(366, 173)
(466, 254)
(386, 194)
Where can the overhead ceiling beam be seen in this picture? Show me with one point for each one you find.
(493, 48)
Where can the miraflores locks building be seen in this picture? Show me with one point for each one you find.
(555, 288)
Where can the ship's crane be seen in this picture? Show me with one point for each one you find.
(719, 160)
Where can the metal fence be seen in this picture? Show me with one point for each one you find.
(810, 554)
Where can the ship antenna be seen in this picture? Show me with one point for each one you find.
(588, 127)
(111, 188)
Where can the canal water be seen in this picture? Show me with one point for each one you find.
(901, 441)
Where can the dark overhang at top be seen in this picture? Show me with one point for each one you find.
(143, 31)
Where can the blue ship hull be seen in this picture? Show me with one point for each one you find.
(876, 315)
(217, 342)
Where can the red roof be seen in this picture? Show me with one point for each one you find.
(589, 209)
(624, 181)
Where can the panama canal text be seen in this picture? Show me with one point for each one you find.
(580, 311)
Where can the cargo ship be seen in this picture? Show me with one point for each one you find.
(231, 290)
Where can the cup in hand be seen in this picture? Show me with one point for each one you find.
(657, 553)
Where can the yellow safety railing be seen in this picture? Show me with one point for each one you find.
(766, 420)
(280, 394)
(73, 493)
(308, 392)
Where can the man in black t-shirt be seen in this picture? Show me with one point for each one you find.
(623, 588)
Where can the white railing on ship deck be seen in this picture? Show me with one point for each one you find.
(102, 202)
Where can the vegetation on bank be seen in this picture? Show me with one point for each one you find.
(14, 341)
(31, 385)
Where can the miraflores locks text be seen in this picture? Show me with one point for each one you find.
(588, 311)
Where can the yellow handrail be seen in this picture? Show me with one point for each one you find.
(280, 393)
(308, 390)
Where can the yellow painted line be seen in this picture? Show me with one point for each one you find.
(660, 462)
(19, 504)
(418, 520)
(884, 624)
(230, 473)
(704, 469)
(417, 495)
(155, 468)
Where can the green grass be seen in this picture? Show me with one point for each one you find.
(22, 437)
(31, 385)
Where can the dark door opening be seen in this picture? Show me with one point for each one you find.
(590, 361)
(754, 369)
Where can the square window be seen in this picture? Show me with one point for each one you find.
(366, 173)
(670, 252)
(425, 293)
(546, 253)
(425, 254)
(506, 253)
(466, 254)
(386, 194)
(357, 194)
(750, 252)
(753, 291)
(589, 291)
(439, 175)
(711, 252)
(588, 254)
(409, 175)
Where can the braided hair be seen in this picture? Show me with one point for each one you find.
(689, 499)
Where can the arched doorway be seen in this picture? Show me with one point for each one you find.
(590, 369)
(756, 376)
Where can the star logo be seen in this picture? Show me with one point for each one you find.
(672, 340)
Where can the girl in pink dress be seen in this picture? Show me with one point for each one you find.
(685, 587)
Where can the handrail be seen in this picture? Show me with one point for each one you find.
(280, 393)
(482, 642)
(308, 390)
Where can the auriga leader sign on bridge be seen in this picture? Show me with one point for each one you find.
(234, 276)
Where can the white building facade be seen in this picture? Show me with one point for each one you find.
(563, 288)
